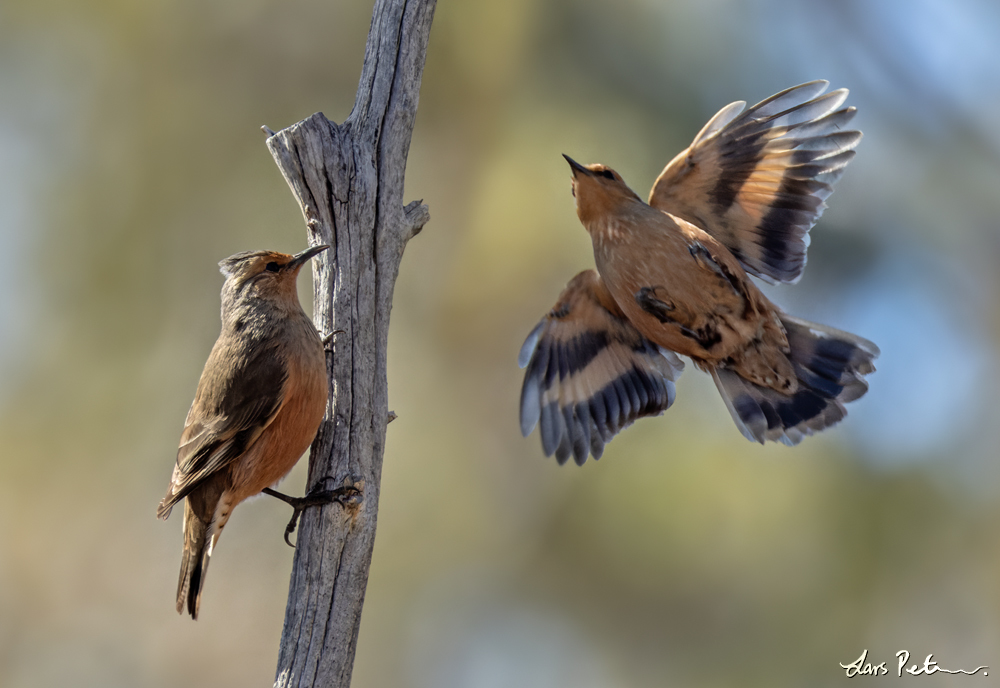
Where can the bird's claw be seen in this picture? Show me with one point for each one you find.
(328, 337)
(317, 496)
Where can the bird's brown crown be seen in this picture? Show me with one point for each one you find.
(248, 264)
(267, 274)
(599, 191)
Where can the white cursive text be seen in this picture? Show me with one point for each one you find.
(862, 667)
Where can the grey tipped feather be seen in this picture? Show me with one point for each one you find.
(719, 121)
(528, 348)
(782, 101)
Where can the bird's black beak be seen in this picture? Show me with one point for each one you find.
(577, 167)
(299, 258)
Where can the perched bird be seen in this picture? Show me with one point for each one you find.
(259, 403)
(672, 278)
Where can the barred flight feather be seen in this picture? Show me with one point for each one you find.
(590, 373)
(758, 181)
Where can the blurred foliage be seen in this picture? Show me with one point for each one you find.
(133, 161)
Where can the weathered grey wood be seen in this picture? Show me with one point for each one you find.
(348, 180)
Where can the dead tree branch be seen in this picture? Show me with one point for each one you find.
(348, 180)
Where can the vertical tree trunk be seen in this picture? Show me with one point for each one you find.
(348, 180)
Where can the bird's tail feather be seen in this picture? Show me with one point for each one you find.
(830, 366)
(194, 562)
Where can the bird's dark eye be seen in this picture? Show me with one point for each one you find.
(272, 267)
(608, 173)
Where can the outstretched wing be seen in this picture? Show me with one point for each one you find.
(590, 373)
(757, 181)
(239, 394)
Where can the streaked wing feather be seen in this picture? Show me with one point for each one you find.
(759, 182)
(589, 373)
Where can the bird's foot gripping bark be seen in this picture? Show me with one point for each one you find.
(328, 338)
(317, 496)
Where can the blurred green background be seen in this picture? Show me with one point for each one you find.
(132, 161)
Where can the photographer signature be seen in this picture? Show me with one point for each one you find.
(862, 667)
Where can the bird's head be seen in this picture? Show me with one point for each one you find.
(599, 191)
(264, 275)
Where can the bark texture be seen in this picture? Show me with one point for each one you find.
(348, 180)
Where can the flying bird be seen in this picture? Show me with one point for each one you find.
(672, 278)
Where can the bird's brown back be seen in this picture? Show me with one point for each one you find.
(678, 285)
